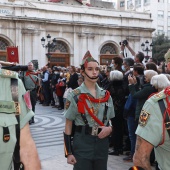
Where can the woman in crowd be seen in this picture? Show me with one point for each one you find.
(91, 108)
(160, 82)
(72, 83)
(118, 96)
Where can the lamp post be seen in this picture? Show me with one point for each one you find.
(147, 47)
(49, 45)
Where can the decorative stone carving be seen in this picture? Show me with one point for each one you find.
(30, 31)
(27, 3)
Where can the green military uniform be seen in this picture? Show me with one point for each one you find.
(150, 128)
(87, 147)
(7, 116)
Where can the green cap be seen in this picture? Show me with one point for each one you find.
(87, 58)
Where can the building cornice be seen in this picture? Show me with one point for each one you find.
(72, 23)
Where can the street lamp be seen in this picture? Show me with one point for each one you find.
(49, 45)
(145, 47)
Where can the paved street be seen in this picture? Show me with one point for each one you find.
(48, 135)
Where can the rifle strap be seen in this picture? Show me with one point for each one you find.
(16, 155)
(105, 112)
(165, 115)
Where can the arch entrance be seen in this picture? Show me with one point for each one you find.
(59, 55)
(107, 53)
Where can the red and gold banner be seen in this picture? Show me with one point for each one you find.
(12, 54)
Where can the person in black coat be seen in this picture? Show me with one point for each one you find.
(73, 81)
(118, 96)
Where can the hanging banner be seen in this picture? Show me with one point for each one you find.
(12, 54)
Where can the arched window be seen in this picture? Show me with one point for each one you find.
(60, 47)
(107, 53)
(108, 49)
(3, 44)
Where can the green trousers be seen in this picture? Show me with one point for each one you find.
(91, 153)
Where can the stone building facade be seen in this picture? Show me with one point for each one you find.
(76, 27)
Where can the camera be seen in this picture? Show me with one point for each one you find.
(124, 42)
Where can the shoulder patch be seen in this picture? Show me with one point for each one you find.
(76, 91)
(158, 96)
(67, 105)
(8, 73)
(143, 119)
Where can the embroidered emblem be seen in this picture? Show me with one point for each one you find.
(27, 100)
(67, 104)
(143, 119)
(8, 73)
(17, 108)
(159, 95)
(76, 91)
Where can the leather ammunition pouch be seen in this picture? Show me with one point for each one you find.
(136, 168)
(67, 145)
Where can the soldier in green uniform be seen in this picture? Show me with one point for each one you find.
(8, 124)
(30, 81)
(91, 108)
(154, 132)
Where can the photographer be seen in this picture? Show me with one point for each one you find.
(138, 57)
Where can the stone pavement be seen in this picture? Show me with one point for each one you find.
(47, 133)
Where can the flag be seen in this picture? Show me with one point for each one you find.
(12, 54)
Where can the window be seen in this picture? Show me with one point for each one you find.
(138, 3)
(108, 48)
(168, 21)
(160, 30)
(160, 14)
(146, 2)
(168, 32)
(161, 1)
(122, 3)
(169, 1)
(168, 14)
(130, 4)
(3, 44)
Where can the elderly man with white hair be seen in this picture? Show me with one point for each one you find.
(118, 96)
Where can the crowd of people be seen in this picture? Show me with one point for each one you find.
(130, 81)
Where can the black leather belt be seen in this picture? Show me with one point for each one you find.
(88, 130)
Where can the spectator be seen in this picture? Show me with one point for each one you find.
(160, 82)
(73, 78)
(151, 66)
(127, 64)
(118, 96)
(138, 72)
(46, 86)
(117, 63)
(143, 94)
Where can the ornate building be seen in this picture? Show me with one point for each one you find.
(76, 28)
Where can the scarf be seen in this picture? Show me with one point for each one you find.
(82, 104)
